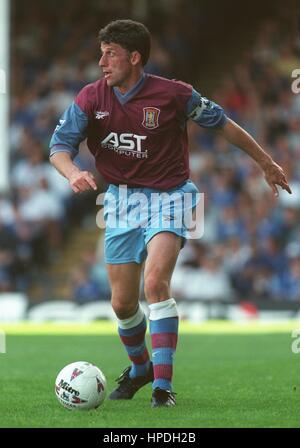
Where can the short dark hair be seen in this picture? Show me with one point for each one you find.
(131, 35)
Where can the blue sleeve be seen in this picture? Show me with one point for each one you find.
(204, 112)
(70, 131)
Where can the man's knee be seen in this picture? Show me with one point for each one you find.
(122, 308)
(156, 288)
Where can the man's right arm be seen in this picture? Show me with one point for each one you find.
(79, 180)
(64, 147)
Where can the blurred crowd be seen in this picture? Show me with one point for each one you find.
(251, 243)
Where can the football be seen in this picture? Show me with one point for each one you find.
(80, 386)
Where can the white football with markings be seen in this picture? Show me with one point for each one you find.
(80, 385)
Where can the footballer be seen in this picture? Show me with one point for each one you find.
(135, 126)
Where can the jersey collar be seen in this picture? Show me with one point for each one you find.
(132, 92)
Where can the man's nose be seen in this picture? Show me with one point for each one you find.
(101, 61)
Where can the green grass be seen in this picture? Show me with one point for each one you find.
(225, 376)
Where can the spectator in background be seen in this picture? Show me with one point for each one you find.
(230, 224)
(287, 286)
(207, 281)
(94, 265)
(85, 289)
(7, 258)
(5, 280)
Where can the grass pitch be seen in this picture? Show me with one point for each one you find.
(226, 375)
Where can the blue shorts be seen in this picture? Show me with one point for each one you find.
(134, 215)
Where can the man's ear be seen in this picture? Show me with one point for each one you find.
(135, 57)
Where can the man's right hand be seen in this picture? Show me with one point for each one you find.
(79, 180)
(82, 181)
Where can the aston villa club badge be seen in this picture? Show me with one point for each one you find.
(151, 115)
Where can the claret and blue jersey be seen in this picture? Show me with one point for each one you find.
(139, 138)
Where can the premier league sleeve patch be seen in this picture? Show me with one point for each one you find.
(150, 118)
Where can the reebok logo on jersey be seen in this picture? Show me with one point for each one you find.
(99, 115)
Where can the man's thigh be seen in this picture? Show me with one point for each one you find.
(125, 279)
(163, 251)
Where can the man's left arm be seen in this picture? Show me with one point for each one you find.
(237, 136)
(210, 115)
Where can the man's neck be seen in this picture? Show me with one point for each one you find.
(130, 83)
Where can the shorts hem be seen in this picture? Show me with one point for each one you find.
(123, 261)
(165, 230)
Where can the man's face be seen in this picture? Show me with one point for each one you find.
(115, 64)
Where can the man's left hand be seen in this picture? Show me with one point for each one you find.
(274, 175)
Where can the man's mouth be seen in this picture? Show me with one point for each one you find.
(106, 74)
